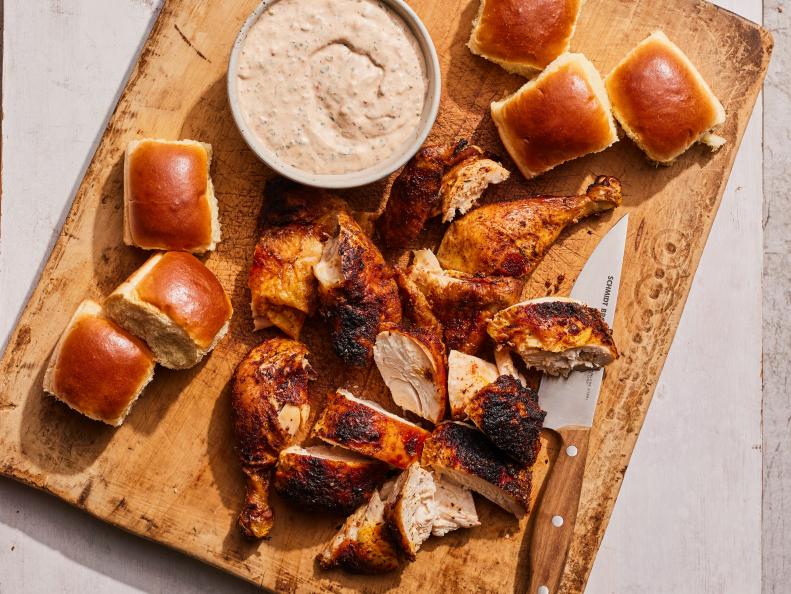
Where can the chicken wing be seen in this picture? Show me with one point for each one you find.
(510, 238)
(555, 335)
(465, 456)
(366, 428)
(364, 543)
(437, 179)
(327, 479)
(357, 292)
(509, 414)
(281, 281)
(462, 302)
(270, 408)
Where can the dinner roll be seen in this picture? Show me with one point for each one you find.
(169, 201)
(98, 368)
(523, 36)
(176, 305)
(661, 100)
(558, 116)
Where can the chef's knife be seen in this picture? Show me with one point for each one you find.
(570, 404)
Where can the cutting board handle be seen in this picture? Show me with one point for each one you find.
(556, 513)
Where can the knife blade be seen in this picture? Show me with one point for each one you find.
(570, 404)
(572, 400)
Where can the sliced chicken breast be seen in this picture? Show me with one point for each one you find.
(509, 414)
(366, 428)
(466, 375)
(454, 507)
(327, 479)
(410, 508)
(412, 365)
(364, 543)
(555, 335)
(465, 456)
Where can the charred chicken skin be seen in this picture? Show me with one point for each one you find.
(510, 238)
(509, 414)
(465, 456)
(357, 292)
(270, 409)
(555, 335)
(366, 428)
(463, 303)
(327, 479)
(437, 179)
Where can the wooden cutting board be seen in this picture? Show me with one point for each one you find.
(169, 473)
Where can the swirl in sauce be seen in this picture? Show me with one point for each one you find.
(331, 86)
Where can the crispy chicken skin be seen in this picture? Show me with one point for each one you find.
(555, 335)
(357, 292)
(463, 303)
(270, 408)
(464, 455)
(327, 479)
(410, 509)
(467, 375)
(509, 414)
(510, 238)
(364, 427)
(282, 286)
(416, 308)
(364, 543)
(437, 179)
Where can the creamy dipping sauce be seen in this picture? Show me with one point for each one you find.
(332, 86)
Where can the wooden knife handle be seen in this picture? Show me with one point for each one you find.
(556, 512)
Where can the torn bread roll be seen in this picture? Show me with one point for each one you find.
(174, 303)
(97, 368)
(555, 335)
(523, 36)
(560, 115)
(662, 102)
(366, 428)
(169, 201)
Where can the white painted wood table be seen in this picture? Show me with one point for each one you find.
(688, 519)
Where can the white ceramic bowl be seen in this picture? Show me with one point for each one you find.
(355, 178)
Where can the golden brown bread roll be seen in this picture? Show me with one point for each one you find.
(169, 201)
(176, 305)
(558, 116)
(523, 36)
(661, 100)
(97, 368)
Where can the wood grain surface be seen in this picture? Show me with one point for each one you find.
(169, 473)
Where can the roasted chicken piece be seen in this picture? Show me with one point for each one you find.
(510, 238)
(509, 414)
(364, 543)
(463, 303)
(327, 479)
(410, 509)
(416, 308)
(437, 179)
(281, 281)
(357, 292)
(270, 409)
(555, 335)
(366, 428)
(454, 508)
(412, 364)
(466, 375)
(465, 456)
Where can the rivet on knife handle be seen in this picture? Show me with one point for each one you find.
(556, 512)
